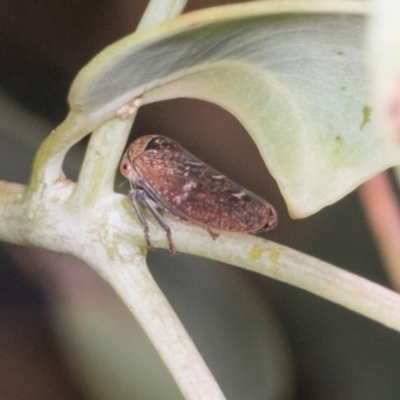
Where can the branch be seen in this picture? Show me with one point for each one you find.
(137, 288)
(287, 265)
(109, 238)
(160, 10)
(101, 161)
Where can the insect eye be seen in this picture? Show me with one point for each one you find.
(125, 168)
(161, 143)
(153, 144)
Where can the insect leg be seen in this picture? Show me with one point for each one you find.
(136, 196)
(144, 198)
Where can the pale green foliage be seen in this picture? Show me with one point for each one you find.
(296, 81)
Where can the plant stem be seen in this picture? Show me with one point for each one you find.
(101, 161)
(290, 266)
(160, 10)
(47, 167)
(139, 291)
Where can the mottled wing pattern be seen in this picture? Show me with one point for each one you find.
(190, 189)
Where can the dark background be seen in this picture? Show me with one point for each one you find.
(320, 350)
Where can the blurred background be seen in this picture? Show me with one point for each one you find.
(64, 334)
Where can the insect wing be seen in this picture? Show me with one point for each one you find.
(190, 189)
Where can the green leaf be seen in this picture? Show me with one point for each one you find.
(293, 73)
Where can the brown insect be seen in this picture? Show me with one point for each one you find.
(165, 176)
